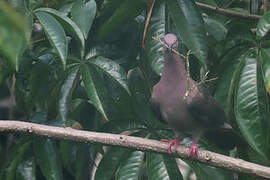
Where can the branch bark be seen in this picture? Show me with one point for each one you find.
(137, 143)
(229, 12)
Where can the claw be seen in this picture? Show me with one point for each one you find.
(193, 151)
(174, 142)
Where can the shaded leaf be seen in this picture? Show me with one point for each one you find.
(263, 25)
(47, 158)
(110, 162)
(265, 56)
(17, 160)
(111, 69)
(156, 28)
(131, 167)
(55, 33)
(68, 25)
(190, 26)
(160, 167)
(251, 105)
(215, 28)
(66, 94)
(14, 34)
(83, 15)
(91, 89)
(203, 171)
(27, 169)
(125, 12)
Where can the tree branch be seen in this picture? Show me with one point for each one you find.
(229, 12)
(137, 143)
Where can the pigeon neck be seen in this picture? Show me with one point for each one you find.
(174, 69)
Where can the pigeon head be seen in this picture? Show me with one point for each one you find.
(171, 41)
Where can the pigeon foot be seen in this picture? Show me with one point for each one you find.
(174, 142)
(193, 151)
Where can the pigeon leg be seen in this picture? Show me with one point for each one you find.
(174, 142)
(193, 151)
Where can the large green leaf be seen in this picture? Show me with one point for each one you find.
(66, 93)
(265, 56)
(156, 29)
(83, 15)
(131, 167)
(14, 35)
(55, 33)
(17, 160)
(27, 168)
(263, 25)
(190, 26)
(125, 12)
(68, 25)
(203, 171)
(110, 162)
(47, 158)
(108, 7)
(91, 89)
(111, 69)
(39, 83)
(160, 167)
(251, 105)
(84, 162)
(215, 28)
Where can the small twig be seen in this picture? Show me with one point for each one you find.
(229, 12)
(38, 40)
(147, 21)
(164, 44)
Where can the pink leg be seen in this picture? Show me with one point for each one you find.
(174, 142)
(193, 151)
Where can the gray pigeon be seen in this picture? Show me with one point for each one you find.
(185, 106)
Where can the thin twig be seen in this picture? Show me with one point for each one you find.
(229, 12)
(164, 44)
(142, 144)
(147, 21)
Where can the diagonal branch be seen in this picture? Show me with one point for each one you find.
(142, 144)
(229, 12)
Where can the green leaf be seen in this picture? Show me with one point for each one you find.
(251, 105)
(91, 89)
(21, 153)
(190, 26)
(55, 33)
(47, 158)
(263, 25)
(131, 167)
(230, 64)
(161, 167)
(110, 162)
(83, 15)
(84, 162)
(265, 56)
(141, 94)
(215, 28)
(68, 25)
(241, 31)
(203, 171)
(39, 84)
(68, 155)
(156, 28)
(125, 12)
(66, 94)
(111, 69)
(26, 169)
(14, 34)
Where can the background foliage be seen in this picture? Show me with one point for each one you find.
(81, 64)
